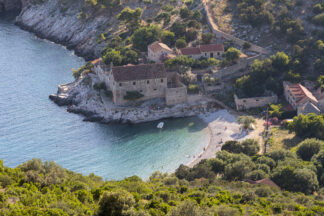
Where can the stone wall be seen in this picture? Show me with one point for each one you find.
(176, 95)
(248, 103)
(176, 91)
(235, 70)
(151, 88)
(102, 74)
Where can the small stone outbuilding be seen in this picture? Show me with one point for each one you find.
(158, 52)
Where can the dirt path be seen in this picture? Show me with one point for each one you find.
(220, 33)
(258, 133)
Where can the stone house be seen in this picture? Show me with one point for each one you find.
(253, 102)
(300, 98)
(150, 80)
(158, 52)
(319, 94)
(206, 51)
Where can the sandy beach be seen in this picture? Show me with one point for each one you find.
(223, 126)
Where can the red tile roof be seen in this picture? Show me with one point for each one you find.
(300, 92)
(202, 48)
(190, 51)
(265, 181)
(96, 61)
(269, 182)
(139, 72)
(212, 48)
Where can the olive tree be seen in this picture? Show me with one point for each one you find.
(115, 203)
(308, 148)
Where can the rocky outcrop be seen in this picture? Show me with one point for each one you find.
(62, 24)
(10, 5)
(81, 98)
(75, 25)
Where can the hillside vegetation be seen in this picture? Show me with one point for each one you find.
(213, 187)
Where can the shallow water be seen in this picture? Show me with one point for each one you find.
(31, 126)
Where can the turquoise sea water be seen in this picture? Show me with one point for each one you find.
(31, 126)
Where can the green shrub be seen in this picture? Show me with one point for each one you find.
(133, 95)
(193, 89)
(264, 191)
(180, 43)
(308, 148)
(319, 19)
(100, 86)
(318, 8)
(115, 203)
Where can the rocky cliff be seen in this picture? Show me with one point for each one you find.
(60, 23)
(10, 5)
(76, 25)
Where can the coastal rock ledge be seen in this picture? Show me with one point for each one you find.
(80, 97)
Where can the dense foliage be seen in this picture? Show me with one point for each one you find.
(267, 75)
(285, 168)
(308, 126)
(36, 188)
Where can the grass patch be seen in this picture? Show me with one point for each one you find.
(282, 139)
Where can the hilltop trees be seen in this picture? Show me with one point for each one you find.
(120, 56)
(232, 55)
(130, 17)
(145, 36)
(254, 12)
(207, 38)
(266, 75)
(168, 38)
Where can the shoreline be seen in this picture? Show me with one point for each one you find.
(222, 126)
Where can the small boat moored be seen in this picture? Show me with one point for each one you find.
(160, 125)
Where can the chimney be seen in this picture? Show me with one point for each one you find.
(111, 65)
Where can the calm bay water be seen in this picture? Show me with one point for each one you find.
(31, 126)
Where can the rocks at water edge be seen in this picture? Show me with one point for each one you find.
(82, 99)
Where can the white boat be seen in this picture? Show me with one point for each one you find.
(160, 125)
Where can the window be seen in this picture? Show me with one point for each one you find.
(205, 54)
(134, 83)
(211, 55)
(155, 89)
(120, 84)
(218, 53)
(161, 80)
(257, 99)
(148, 81)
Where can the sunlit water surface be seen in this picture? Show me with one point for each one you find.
(31, 126)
